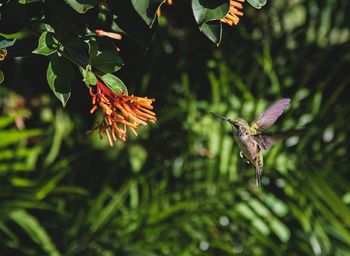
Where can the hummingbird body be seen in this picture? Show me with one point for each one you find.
(244, 135)
(252, 140)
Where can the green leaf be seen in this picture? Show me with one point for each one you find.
(4, 43)
(13, 18)
(137, 157)
(107, 212)
(50, 185)
(6, 120)
(90, 78)
(47, 27)
(103, 56)
(280, 229)
(63, 126)
(81, 6)
(97, 204)
(64, 20)
(7, 231)
(114, 83)
(209, 10)
(22, 34)
(257, 3)
(8, 137)
(35, 231)
(93, 49)
(107, 61)
(59, 74)
(207, 14)
(2, 77)
(28, 1)
(147, 9)
(47, 44)
(213, 30)
(128, 21)
(78, 50)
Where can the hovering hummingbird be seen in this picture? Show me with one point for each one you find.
(252, 139)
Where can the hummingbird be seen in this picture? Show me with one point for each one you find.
(252, 138)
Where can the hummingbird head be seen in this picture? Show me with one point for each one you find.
(237, 123)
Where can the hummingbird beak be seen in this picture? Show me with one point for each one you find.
(223, 117)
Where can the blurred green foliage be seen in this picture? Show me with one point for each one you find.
(180, 187)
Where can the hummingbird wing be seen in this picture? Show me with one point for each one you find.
(266, 140)
(270, 115)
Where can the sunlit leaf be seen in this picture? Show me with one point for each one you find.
(114, 83)
(257, 3)
(4, 43)
(90, 78)
(281, 230)
(47, 44)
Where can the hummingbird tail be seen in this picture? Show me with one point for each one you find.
(258, 174)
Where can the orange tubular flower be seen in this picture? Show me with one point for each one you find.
(232, 18)
(115, 36)
(112, 35)
(120, 112)
(168, 2)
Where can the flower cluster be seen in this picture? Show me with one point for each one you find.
(232, 18)
(120, 112)
(3, 53)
